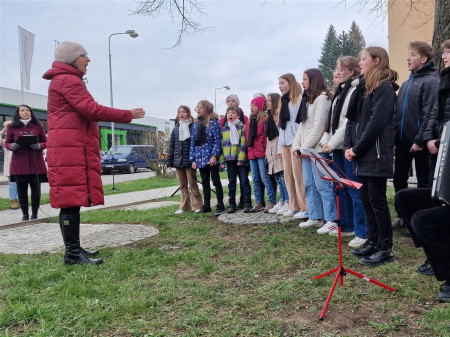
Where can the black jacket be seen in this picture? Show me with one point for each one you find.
(416, 99)
(178, 153)
(441, 111)
(370, 134)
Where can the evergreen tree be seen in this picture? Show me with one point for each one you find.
(355, 35)
(330, 53)
(346, 46)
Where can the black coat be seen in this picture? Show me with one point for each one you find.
(178, 153)
(441, 111)
(416, 99)
(371, 134)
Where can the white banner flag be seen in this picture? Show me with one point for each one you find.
(26, 46)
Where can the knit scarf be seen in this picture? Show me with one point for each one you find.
(253, 131)
(284, 111)
(201, 137)
(271, 127)
(234, 135)
(336, 109)
(302, 110)
(355, 104)
(184, 132)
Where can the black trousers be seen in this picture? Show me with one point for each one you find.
(233, 171)
(403, 160)
(247, 171)
(22, 194)
(213, 172)
(374, 200)
(411, 200)
(70, 211)
(432, 228)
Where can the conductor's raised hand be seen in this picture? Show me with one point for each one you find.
(137, 113)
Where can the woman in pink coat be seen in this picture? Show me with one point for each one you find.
(73, 148)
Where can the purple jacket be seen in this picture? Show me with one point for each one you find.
(26, 160)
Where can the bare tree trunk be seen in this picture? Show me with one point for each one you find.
(441, 29)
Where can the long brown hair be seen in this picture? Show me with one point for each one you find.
(379, 73)
(317, 85)
(210, 114)
(295, 88)
(276, 105)
(188, 111)
(349, 63)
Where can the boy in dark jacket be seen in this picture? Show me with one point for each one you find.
(416, 99)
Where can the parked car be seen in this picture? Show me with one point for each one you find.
(128, 158)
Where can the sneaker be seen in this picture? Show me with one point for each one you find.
(335, 232)
(327, 228)
(301, 215)
(357, 242)
(180, 211)
(198, 211)
(311, 223)
(220, 209)
(257, 208)
(290, 213)
(283, 209)
(276, 208)
(269, 206)
(231, 208)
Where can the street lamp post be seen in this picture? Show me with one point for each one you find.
(133, 34)
(215, 96)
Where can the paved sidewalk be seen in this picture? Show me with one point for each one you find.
(14, 217)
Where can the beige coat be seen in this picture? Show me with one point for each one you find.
(7, 155)
(274, 162)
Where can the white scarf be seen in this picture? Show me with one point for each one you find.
(184, 130)
(25, 121)
(234, 135)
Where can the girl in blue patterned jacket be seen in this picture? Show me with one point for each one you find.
(205, 151)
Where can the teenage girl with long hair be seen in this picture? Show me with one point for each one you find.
(313, 115)
(275, 163)
(353, 217)
(27, 161)
(256, 149)
(369, 144)
(178, 157)
(206, 147)
(290, 103)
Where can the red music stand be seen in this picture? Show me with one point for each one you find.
(327, 173)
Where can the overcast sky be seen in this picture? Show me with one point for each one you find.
(248, 46)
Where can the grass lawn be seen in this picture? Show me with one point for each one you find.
(201, 277)
(125, 187)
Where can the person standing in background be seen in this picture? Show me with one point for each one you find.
(6, 163)
(27, 162)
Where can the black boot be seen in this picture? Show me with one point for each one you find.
(231, 205)
(220, 209)
(90, 253)
(367, 249)
(383, 255)
(33, 217)
(247, 205)
(206, 208)
(426, 269)
(70, 225)
(444, 292)
(25, 214)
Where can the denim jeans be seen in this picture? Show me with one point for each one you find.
(260, 171)
(12, 189)
(353, 217)
(279, 176)
(319, 193)
(233, 171)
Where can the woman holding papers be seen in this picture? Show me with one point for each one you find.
(26, 138)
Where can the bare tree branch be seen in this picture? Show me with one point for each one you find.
(185, 10)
